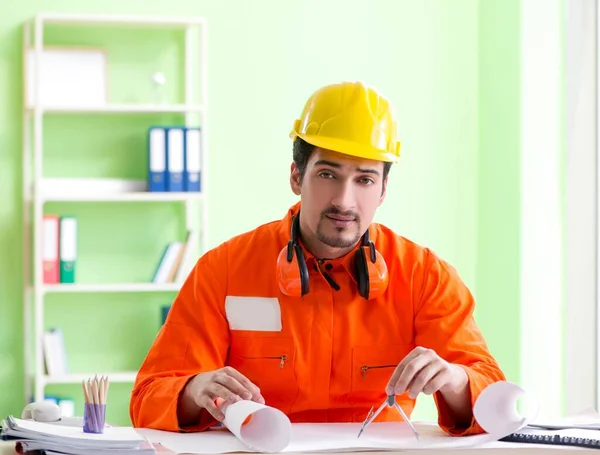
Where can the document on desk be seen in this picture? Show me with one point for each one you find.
(252, 427)
(588, 419)
(31, 436)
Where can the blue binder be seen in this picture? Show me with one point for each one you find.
(193, 160)
(164, 312)
(157, 159)
(175, 158)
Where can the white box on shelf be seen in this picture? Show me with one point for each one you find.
(69, 76)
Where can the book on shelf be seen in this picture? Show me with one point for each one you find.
(55, 353)
(174, 159)
(177, 260)
(59, 248)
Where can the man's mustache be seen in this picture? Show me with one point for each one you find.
(336, 211)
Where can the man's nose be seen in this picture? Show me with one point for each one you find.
(344, 198)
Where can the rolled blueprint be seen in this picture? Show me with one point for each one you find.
(261, 428)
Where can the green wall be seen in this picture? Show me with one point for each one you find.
(265, 58)
(498, 245)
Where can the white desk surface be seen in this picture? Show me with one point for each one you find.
(8, 448)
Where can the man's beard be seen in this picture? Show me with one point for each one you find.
(338, 241)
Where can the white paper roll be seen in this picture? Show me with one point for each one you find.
(496, 409)
(268, 430)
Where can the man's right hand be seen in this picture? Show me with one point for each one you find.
(205, 389)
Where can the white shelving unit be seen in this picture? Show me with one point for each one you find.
(38, 189)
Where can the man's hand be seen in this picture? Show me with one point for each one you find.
(422, 370)
(205, 389)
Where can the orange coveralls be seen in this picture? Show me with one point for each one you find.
(327, 356)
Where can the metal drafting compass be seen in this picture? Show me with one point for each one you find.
(390, 402)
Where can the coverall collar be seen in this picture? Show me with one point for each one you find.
(346, 260)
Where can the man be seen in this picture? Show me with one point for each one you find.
(322, 313)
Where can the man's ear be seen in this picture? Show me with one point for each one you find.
(295, 179)
(383, 190)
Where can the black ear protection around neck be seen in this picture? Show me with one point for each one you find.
(293, 248)
(370, 270)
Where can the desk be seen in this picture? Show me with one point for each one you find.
(8, 448)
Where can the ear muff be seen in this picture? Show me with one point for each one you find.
(370, 270)
(292, 272)
(361, 273)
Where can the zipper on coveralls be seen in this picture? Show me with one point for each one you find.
(282, 359)
(365, 368)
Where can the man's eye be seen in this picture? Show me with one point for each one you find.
(326, 174)
(366, 181)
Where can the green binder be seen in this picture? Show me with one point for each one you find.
(68, 248)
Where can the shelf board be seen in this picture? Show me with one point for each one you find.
(122, 108)
(120, 19)
(119, 287)
(140, 196)
(106, 190)
(78, 378)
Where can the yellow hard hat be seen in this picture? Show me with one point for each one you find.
(350, 118)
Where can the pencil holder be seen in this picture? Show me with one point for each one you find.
(93, 418)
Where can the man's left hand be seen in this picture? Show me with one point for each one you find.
(422, 370)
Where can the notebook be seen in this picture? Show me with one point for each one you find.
(568, 437)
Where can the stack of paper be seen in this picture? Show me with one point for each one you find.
(53, 439)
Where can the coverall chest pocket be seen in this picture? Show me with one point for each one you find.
(372, 368)
(270, 363)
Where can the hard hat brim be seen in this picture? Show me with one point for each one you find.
(350, 148)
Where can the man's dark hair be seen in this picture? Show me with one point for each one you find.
(303, 150)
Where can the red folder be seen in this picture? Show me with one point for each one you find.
(50, 249)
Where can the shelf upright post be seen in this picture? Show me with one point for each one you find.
(38, 212)
(27, 198)
(195, 44)
(189, 97)
(204, 136)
